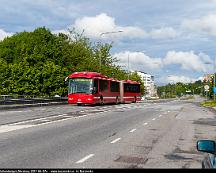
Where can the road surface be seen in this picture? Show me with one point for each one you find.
(138, 135)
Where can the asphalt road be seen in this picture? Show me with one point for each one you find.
(139, 135)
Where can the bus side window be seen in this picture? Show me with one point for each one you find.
(95, 87)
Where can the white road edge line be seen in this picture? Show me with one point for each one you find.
(114, 141)
(132, 130)
(37, 119)
(85, 158)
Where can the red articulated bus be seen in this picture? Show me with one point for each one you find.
(95, 88)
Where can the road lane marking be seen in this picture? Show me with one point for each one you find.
(43, 118)
(116, 140)
(133, 130)
(153, 119)
(145, 124)
(8, 128)
(85, 158)
(81, 116)
(160, 115)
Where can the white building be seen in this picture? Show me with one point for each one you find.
(150, 87)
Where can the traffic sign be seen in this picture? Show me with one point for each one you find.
(206, 87)
(214, 90)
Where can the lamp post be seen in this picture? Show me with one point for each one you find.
(128, 66)
(214, 80)
(174, 83)
(213, 76)
(105, 33)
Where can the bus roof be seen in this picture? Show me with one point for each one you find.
(90, 75)
(130, 81)
(86, 75)
(97, 75)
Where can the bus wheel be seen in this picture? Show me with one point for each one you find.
(117, 101)
(101, 101)
(135, 99)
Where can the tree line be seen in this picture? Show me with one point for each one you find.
(37, 62)
(180, 89)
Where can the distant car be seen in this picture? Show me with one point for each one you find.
(208, 146)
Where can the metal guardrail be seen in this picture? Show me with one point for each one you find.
(26, 99)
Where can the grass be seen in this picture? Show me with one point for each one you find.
(210, 103)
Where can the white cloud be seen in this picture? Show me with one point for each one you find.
(137, 61)
(162, 33)
(4, 34)
(206, 24)
(103, 26)
(183, 79)
(187, 60)
(95, 26)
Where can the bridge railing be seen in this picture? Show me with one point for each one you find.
(29, 99)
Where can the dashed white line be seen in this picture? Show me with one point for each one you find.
(81, 116)
(85, 158)
(145, 124)
(153, 119)
(116, 140)
(160, 115)
(132, 130)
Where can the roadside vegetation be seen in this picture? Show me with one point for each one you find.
(36, 63)
(209, 103)
(183, 90)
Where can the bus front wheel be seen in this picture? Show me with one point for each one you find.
(101, 101)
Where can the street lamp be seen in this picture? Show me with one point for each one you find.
(104, 33)
(213, 76)
(128, 66)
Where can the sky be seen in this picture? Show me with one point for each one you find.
(173, 40)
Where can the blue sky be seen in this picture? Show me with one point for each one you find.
(173, 40)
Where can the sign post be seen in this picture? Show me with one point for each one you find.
(206, 87)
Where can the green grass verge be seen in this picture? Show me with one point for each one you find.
(210, 103)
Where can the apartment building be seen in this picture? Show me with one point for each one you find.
(150, 87)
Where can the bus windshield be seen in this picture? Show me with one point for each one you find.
(80, 85)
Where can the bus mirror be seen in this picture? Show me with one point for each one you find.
(66, 81)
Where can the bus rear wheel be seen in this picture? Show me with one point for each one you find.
(117, 101)
(135, 100)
